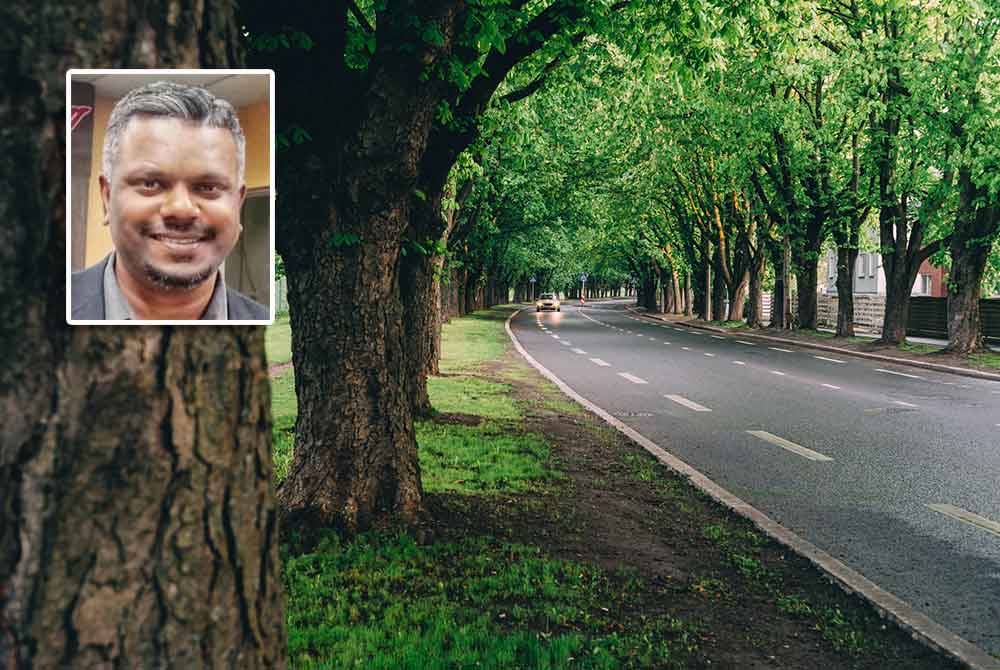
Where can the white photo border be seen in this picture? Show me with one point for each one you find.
(69, 201)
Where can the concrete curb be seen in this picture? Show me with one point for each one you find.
(921, 627)
(964, 372)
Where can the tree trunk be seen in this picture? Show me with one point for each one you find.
(976, 227)
(718, 290)
(738, 297)
(675, 291)
(139, 527)
(706, 311)
(421, 294)
(847, 258)
(806, 278)
(688, 295)
(355, 450)
(755, 316)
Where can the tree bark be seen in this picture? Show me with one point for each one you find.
(755, 315)
(977, 225)
(139, 527)
(355, 451)
(806, 277)
(847, 258)
(718, 289)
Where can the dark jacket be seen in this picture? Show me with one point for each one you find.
(87, 297)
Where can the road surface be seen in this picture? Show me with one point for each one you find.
(893, 470)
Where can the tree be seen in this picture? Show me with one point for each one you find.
(138, 527)
(366, 181)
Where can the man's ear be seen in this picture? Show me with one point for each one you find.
(105, 196)
(243, 197)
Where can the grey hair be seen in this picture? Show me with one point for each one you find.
(176, 101)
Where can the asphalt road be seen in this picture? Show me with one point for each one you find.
(894, 470)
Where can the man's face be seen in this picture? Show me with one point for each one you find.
(173, 201)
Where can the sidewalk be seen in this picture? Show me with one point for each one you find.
(938, 361)
(916, 340)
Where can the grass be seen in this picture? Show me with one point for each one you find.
(278, 341)
(472, 395)
(486, 459)
(727, 324)
(468, 342)
(382, 601)
(284, 408)
(919, 348)
(990, 359)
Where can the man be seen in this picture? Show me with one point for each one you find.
(172, 188)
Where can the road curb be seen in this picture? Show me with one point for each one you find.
(937, 367)
(921, 627)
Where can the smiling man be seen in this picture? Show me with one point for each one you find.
(172, 187)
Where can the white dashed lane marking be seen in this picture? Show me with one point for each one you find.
(904, 404)
(598, 361)
(831, 386)
(579, 351)
(632, 378)
(831, 360)
(777, 372)
(789, 446)
(738, 363)
(749, 344)
(690, 404)
(989, 525)
(708, 354)
(686, 348)
(718, 337)
(787, 351)
(898, 374)
(566, 342)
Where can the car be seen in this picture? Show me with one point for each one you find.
(548, 301)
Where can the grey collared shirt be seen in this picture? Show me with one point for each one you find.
(116, 307)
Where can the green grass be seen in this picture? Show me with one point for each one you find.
(278, 341)
(989, 359)
(284, 408)
(919, 348)
(485, 459)
(382, 601)
(470, 341)
(472, 395)
(727, 324)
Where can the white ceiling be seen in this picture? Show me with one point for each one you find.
(240, 90)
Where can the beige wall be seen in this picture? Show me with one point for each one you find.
(254, 119)
(98, 236)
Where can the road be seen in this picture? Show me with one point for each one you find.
(893, 470)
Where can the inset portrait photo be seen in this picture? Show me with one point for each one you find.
(170, 197)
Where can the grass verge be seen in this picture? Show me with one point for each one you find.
(278, 341)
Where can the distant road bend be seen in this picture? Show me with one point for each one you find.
(893, 470)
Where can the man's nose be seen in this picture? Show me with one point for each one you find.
(178, 205)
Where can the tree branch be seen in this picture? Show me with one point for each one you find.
(360, 16)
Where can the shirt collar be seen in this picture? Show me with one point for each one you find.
(117, 308)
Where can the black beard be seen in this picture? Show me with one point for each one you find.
(173, 282)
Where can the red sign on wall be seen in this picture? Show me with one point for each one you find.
(77, 114)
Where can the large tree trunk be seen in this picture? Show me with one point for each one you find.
(138, 528)
(718, 290)
(847, 258)
(755, 315)
(806, 278)
(975, 229)
(738, 297)
(421, 294)
(355, 451)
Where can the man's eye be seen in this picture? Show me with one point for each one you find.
(151, 184)
(209, 188)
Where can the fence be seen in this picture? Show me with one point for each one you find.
(928, 316)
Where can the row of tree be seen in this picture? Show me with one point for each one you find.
(819, 123)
